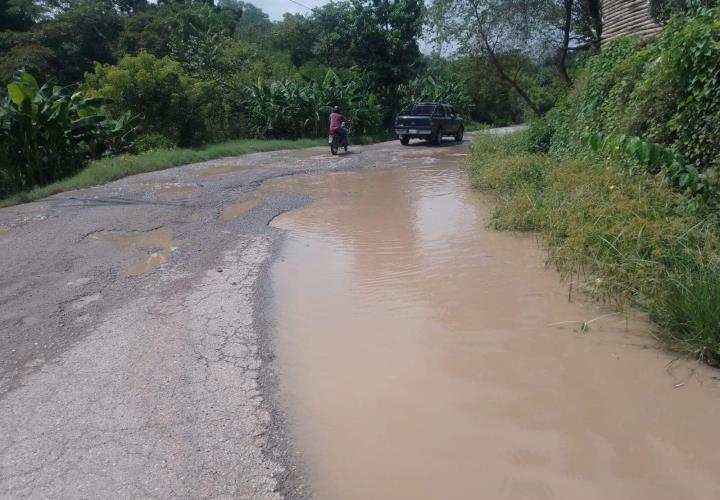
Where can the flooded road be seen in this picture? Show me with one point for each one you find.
(424, 356)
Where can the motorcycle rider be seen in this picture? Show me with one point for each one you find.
(337, 125)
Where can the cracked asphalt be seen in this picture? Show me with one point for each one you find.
(135, 353)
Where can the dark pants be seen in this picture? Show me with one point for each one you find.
(343, 135)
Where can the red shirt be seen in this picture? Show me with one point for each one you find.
(336, 120)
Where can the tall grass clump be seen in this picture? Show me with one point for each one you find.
(630, 237)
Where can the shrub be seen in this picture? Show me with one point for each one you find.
(150, 142)
(631, 237)
(667, 92)
(540, 135)
(170, 102)
(663, 10)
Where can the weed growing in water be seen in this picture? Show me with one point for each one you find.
(632, 237)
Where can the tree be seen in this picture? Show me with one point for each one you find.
(534, 29)
(81, 36)
(170, 101)
(18, 15)
(296, 35)
(581, 28)
(253, 24)
(384, 39)
(493, 28)
(161, 27)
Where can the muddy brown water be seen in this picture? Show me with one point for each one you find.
(149, 249)
(235, 210)
(425, 356)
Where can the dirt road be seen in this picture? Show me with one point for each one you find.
(134, 360)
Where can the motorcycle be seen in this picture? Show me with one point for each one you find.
(338, 140)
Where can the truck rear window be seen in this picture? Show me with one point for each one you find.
(423, 110)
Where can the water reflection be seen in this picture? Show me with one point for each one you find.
(419, 362)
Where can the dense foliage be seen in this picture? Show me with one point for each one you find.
(621, 178)
(667, 92)
(186, 110)
(48, 132)
(663, 10)
(195, 72)
(291, 109)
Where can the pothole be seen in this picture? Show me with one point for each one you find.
(235, 210)
(150, 249)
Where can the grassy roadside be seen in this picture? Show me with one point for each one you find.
(476, 126)
(110, 169)
(627, 238)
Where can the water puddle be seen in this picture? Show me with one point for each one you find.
(4, 231)
(235, 210)
(150, 249)
(220, 170)
(425, 356)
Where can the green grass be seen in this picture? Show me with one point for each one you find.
(475, 126)
(629, 238)
(110, 169)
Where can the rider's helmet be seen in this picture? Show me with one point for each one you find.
(336, 109)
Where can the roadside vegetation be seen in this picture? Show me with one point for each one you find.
(621, 179)
(116, 167)
(85, 80)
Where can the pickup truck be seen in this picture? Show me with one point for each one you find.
(430, 121)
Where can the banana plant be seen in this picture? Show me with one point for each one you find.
(292, 109)
(49, 132)
(449, 90)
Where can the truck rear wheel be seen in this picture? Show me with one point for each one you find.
(405, 140)
(437, 139)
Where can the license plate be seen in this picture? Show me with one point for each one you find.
(412, 131)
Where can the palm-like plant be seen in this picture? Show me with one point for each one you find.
(48, 132)
(438, 89)
(292, 109)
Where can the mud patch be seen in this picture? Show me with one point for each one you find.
(4, 231)
(415, 366)
(235, 210)
(150, 249)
